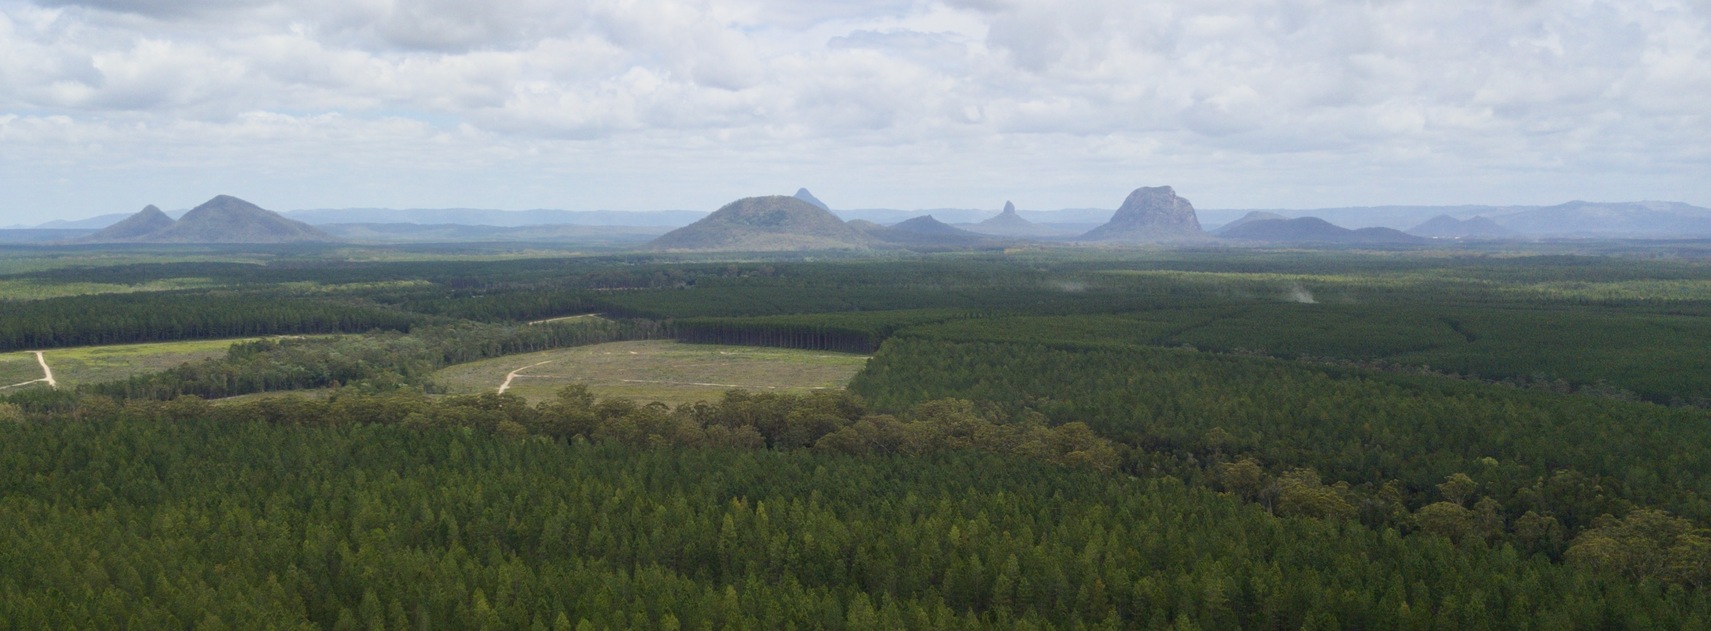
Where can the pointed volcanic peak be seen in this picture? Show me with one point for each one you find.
(227, 219)
(1150, 215)
(145, 222)
(1447, 227)
(1007, 223)
(1011, 224)
(765, 224)
(806, 196)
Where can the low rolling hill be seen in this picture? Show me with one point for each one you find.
(223, 219)
(766, 224)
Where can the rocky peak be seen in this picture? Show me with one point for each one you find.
(1150, 213)
(804, 195)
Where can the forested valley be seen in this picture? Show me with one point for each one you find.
(1040, 439)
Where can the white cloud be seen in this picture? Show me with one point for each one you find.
(679, 103)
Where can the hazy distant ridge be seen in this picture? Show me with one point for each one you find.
(499, 218)
(1576, 219)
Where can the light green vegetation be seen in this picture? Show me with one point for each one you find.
(670, 372)
(472, 253)
(33, 289)
(18, 368)
(1676, 290)
(317, 394)
(16, 262)
(96, 364)
(1345, 286)
(313, 287)
(585, 316)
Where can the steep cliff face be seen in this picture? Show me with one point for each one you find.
(1150, 214)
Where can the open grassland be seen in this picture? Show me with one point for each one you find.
(96, 364)
(17, 369)
(34, 260)
(670, 372)
(34, 289)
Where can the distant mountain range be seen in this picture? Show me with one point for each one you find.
(925, 232)
(500, 218)
(1313, 230)
(1576, 219)
(456, 233)
(223, 219)
(1572, 220)
(1473, 228)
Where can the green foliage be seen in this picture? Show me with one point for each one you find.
(162, 316)
(857, 332)
(1647, 544)
(1571, 457)
(149, 524)
(1045, 435)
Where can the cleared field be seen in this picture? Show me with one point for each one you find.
(17, 369)
(95, 364)
(666, 371)
(27, 289)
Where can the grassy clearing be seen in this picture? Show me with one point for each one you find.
(16, 368)
(671, 372)
(315, 393)
(31, 289)
(34, 260)
(95, 364)
(585, 316)
(314, 287)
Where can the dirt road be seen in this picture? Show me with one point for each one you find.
(507, 385)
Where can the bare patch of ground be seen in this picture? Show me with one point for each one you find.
(666, 371)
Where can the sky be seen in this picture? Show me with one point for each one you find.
(108, 105)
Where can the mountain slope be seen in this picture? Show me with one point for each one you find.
(766, 224)
(1010, 224)
(227, 219)
(500, 218)
(145, 222)
(1617, 220)
(923, 231)
(806, 196)
(1149, 215)
(1258, 215)
(1314, 230)
(1447, 227)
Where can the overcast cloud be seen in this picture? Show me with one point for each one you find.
(107, 105)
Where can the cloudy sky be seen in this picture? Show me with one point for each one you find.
(107, 105)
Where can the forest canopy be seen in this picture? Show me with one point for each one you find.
(1040, 439)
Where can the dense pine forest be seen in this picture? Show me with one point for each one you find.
(1041, 439)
